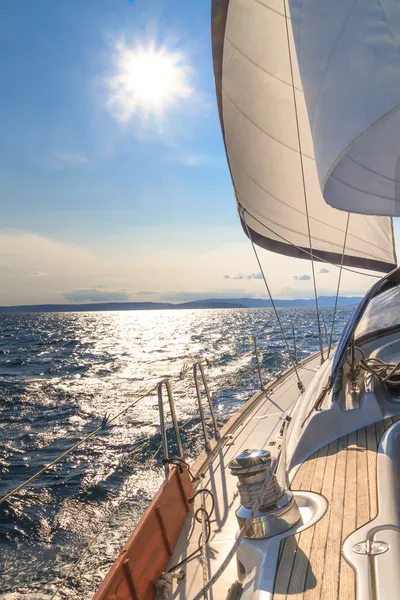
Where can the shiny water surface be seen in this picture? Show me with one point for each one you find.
(60, 373)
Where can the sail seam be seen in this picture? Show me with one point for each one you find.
(260, 129)
(270, 8)
(380, 264)
(369, 256)
(360, 164)
(260, 67)
(352, 235)
(357, 189)
(329, 61)
(351, 144)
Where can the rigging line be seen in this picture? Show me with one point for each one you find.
(320, 259)
(300, 384)
(304, 184)
(82, 441)
(93, 539)
(338, 285)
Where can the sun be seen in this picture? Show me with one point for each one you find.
(148, 80)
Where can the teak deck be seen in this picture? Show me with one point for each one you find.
(311, 565)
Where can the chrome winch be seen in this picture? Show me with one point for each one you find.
(278, 511)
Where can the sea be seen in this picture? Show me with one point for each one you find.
(62, 373)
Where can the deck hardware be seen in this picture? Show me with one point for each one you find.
(278, 511)
(167, 385)
(371, 548)
(199, 366)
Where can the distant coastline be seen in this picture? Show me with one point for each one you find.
(324, 301)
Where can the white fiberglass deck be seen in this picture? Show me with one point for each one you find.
(258, 429)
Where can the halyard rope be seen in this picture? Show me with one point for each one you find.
(304, 181)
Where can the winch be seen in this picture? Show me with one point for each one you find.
(278, 511)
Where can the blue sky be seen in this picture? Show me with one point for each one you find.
(102, 200)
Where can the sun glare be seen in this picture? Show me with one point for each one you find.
(149, 80)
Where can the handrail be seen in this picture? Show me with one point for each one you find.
(199, 365)
(162, 421)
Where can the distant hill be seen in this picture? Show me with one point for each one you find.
(324, 301)
(300, 302)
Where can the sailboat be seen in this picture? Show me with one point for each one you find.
(297, 496)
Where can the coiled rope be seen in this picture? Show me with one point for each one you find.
(387, 373)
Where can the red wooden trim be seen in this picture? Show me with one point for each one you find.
(182, 490)
(130, 580)
(164, 531)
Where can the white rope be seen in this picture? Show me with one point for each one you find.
(300, 384)
(240, 537)
(304, 184)
(204, 545)
(338, 285)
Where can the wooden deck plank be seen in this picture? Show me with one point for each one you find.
(312, 566)
(347, 578)
(330, 588)
(302, 567)
(362, 479)
(315, 572)
(285, 566)
(371, 462)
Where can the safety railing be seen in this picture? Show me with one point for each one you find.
(200, 381)
(198, 366)
(167, 385)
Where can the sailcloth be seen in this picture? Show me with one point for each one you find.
(349, 57)
(269, 145)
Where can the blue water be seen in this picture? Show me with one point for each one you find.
(60, 373)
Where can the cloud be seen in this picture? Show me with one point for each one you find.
(146, 293)
(65, 160)
(241, 276)
(301, 277)
(194, 159)
(96, 295)
(323, 271)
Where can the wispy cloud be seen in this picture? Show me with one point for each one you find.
(145, 293)
(65, 160)
(96, 295)
(301, 277)
(194, 159)
(241, 276)
(323, 271)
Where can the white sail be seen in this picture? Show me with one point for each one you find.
(349, 61)
(258, 104)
